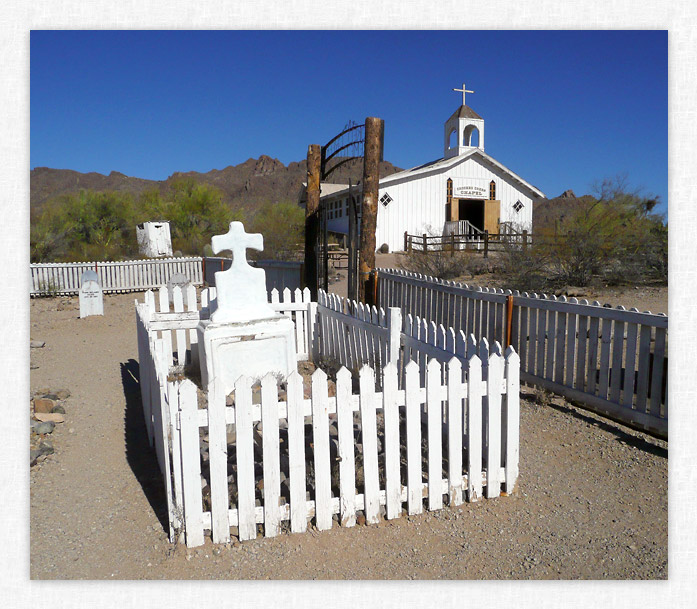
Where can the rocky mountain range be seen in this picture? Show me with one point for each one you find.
(244, 186)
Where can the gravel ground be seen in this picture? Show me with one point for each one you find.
(591, 502)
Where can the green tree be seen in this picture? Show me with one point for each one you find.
(282, 225)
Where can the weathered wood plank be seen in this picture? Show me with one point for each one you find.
(347, 466)
(369, 434)
(245, 459)
(296, 454)
(393, 486)
(271, 464)
(320, 433)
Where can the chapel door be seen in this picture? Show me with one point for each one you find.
(492, 214)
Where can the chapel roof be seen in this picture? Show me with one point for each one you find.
(465, 112)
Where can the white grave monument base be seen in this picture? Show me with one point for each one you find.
(251, 348)
(244, 335)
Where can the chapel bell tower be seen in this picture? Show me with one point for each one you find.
(464, 130)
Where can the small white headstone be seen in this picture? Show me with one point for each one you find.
(181, 280)
(91, 298)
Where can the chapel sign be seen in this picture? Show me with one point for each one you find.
(470, 191)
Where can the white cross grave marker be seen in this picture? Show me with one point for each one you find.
(241, 289)
(463, 90)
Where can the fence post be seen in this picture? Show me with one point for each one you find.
(405, 241)
(425, 246)
(394, 327)
(486, 244)
(509, 319)
(452, 244)
(525, 240)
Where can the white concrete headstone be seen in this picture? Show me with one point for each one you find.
(181, 280)
(241, 289)
(91, 297)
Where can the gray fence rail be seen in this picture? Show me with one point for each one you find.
(123, 276)
(611, 360)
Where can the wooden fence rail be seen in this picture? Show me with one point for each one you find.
(124, 276)
(612, 360)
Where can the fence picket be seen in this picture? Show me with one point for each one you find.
(435, 444)
(296, 454)
(493, 452)
(606, 341)
(245, 459)
(630, 363)
(475, 393)
(571, 322)
(271, 457)
(191, 463)
(512, 418)
(320, 435)
(369, 435)
(347, 466)
(617, 357)
(413, 439)
(657, 372)
(643, 374)
(592, 372)
(393, 485)
(455, 431)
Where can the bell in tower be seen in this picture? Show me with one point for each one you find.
(464, 130)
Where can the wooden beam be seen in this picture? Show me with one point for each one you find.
(314, 157)
(374, 129)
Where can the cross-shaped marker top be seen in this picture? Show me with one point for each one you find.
(241, 289)
(463, 90)
(237, 240)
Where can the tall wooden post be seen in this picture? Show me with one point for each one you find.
(374, 129)
(314, 155)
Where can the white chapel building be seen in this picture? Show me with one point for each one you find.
(465, 188)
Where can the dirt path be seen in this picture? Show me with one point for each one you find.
(591, 502)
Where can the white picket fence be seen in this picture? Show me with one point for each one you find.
(612, 360)
(445, 431)
(124, 276)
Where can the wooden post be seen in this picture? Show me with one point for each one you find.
(374, 130)
(314, 157)
(509, 319)
(525, 240)
(425, 245)
(486, 244)
(405, 241)
(452, 244)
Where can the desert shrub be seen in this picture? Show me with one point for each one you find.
(282, 225)
(384, 249)
(524, 269)
(439, 264)
(613, 237)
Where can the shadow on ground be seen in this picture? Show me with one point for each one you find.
(140, 455)
(639, 442)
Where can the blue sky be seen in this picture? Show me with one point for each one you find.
(563, 109)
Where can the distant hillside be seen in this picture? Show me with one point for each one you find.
(244, 186)
(547, 211)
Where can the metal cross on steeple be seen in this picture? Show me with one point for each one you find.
(463, 90)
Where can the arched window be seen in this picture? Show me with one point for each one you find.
(471, 136)
(492, 190)
(452, 139)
